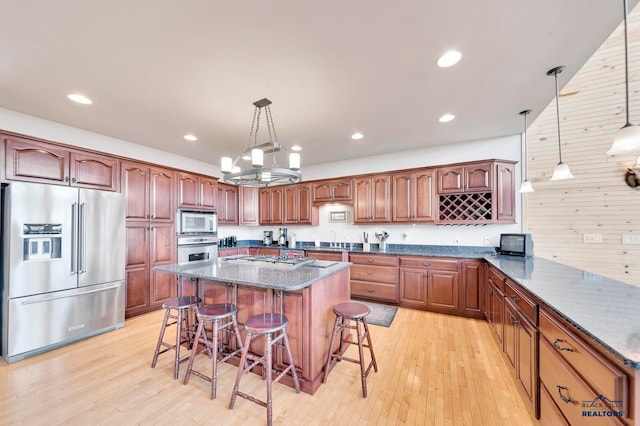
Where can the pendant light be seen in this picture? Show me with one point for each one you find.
(260, 175)
(561, 170)
(628, 138)
(526, 185)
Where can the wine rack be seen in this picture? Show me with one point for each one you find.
(466, 207)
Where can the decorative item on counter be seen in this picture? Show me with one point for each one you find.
(382, 238)
(316, 240)
(365, 242)
(292, 241)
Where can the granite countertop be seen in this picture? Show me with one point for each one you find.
(258, 276)
(606, 310)
(462, 252)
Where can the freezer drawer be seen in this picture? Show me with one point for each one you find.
(43, 322)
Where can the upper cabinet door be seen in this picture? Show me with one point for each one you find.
(135, 184)
(208, 191)
(188, 188)
(94, 171)
(450, 180)
(424, 196)
(477, 177)
(32, 161)
(162, 205)
(403, 195)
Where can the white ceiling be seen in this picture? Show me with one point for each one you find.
(157, 70)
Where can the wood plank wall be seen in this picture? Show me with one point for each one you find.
(597, 201)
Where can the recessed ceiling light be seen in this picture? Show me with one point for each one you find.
(190, 137)
(449, 59)
(81, 99)
(446, 118)
(296, 148)
(357, 136)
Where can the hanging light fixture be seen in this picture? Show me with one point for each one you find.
(561, 170)
(258, 175)
(628, 138)
(526, 185)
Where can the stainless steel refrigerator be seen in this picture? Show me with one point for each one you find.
(63, 266)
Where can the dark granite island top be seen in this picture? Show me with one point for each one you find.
(259, 276)
(606, 310)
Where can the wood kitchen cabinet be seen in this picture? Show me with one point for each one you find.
(574, 369)
(248, 206)
(476, 192)
(495, 302)
(332, 191)
(227, 204)
(196, 192)
(150, 192)
(471, 294)
(33, 161)
(413, 196)
(297, 206)
(271, 205)
(149, 245)
(430, 283)
(374, 276)
(372, 199)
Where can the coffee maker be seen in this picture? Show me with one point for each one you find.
(267, 238)
(283, 237)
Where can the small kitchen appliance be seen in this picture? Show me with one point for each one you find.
(267, 238)
(282, 240)
(516, 245)
(197, 222)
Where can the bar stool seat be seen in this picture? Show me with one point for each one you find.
(223, 317)
(184, 333)
(345, 312)
(274, 329)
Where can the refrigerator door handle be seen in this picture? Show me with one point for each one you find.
(82, 252)
(74, 238)
(46, 299)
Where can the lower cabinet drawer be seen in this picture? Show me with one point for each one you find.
(604, 377)
(385, 292)
(379, 274)
(569, 392)
(550, 414)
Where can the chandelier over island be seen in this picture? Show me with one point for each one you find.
(257, 174)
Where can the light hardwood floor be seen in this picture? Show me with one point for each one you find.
(433, 370)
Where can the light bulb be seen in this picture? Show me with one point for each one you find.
(257, 156)
(225, 164)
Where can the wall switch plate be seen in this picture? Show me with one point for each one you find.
(592, 238)
(487, 241)
(631, 239)
(457, 240)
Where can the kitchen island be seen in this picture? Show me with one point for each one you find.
(305, 294)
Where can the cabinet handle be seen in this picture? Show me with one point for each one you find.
(566, 399)
(426, 264)
(490, 292)
(515, 299)
(371, 273)
(513, 319)
(73, 180)
(370, 291)
(370, 260)
(66, 178)
(558, 347)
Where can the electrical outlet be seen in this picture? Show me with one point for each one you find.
(457, 240)
(631, 239)
(487, 241)
(592, 238)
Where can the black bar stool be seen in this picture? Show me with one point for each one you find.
(182, 307)
(274, 329)
(223, 317)
(344, 313)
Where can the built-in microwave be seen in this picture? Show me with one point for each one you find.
(200, 222)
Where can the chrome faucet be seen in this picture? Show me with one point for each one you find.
(335, 239)
(347, 242)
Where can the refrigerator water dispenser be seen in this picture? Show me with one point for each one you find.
(40, 242)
